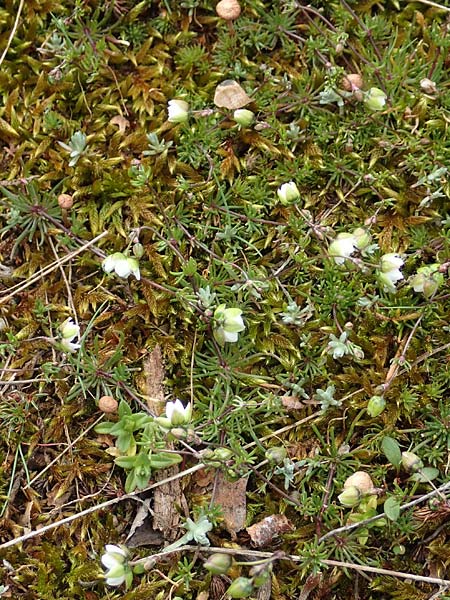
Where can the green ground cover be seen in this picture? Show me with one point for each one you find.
(224, 301)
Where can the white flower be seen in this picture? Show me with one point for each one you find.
(177, 413)
(342, 247)
(243, 117)
(178, 111)
(228, 324)
(390, 272)
(122, 265)
(427, 280)
(288, 192)
(69, 331)
(390, 262)
(115, 560)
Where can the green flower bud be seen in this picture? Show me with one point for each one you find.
(362, 238)
(241, 587)
(218, 564)
(260, 574)
(276, 454)
(350, 497)
(375, 406)
(411, 462)
(138, 250)
(375, 99)
(243, 117)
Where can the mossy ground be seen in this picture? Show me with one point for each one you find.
(201, 196)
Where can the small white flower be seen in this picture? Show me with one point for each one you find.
(122, 265)
(228, 324)
(115, 560)
(342, 247)
(390, 262)
(177, 413)
(178, 111)
(288, 192)
(69, 331)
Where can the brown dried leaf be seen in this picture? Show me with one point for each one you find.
(229, 94)
(263, 532)
(121, 122)
(231, 496)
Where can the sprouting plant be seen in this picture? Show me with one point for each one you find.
(326, 398)
(30, 212)
(295, 315)
(140, 175)
(155, 146)
(195, 531)
(141, 466)
(339, 347)
(76, 147)
(125, 428)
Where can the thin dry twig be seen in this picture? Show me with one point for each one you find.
(13, 31)
(345, 528)
(257, 554)
(49, 268)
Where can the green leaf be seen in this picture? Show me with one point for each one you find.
(392, 508)
(164, 460)
(425, 475)
(392, 451)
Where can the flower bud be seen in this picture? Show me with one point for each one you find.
(375, 99)
(65, 201)
(352, 81)
(411, 462)
(138, 250)
(243, 117)
(362, 238)
(241, 587)
(361, 481)
(218, 564)
(427, 280)
(276, 454)
(288, 192)
(375, 406)
(350, 497)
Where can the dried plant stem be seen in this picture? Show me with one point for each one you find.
(435, 4)
(346, 528)
(49, 268)
(133, 495)
(13, 31)
(295, 558)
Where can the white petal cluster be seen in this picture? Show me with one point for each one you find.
(390, 273)
(69, 332)
(288, 192)
(115, 560)
(345, 244)
(178, 111)
(228, 324)
(122, 265)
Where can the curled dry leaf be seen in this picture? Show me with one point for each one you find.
(121, 122)
(263, 532)
(229, 94)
